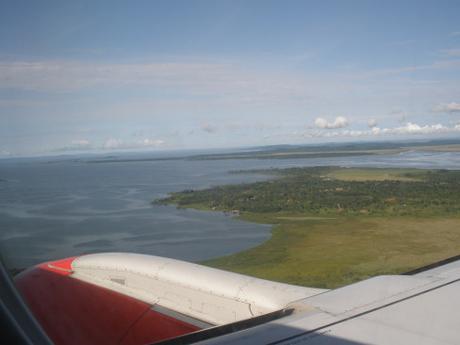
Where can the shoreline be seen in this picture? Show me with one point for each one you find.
(329, 248)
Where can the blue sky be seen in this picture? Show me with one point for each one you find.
(157, 75)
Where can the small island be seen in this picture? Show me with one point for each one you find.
(333, 226)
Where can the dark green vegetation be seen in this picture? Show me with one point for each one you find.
(332, 191)
(334, 226)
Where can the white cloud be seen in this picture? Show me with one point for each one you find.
(321, 122)
(112, 144)
(81, 142)
(219, 92)
(339, 122)
(72, 75)
(452, 107)
(372, 123)
(413, 128)
(193, 78)
(409, 128)
(153, 142)
(117, 144)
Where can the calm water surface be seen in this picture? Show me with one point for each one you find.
(57, 207)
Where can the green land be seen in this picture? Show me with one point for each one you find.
(334, 226)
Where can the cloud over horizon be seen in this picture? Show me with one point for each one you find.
(409, 128)
(452, 107)
(372, 123)
(86, 90)
(339, 122)
(112, 144)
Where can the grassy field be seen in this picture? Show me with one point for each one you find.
(316, 243)
(369, 174)
(331, 253)
(440, 148)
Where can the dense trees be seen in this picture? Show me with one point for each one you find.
(315, 191)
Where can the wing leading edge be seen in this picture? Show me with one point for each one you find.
(137, 299)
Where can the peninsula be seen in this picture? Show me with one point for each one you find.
(333, 226)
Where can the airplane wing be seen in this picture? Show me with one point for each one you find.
(132, 299)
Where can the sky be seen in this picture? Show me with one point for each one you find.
(97, 76)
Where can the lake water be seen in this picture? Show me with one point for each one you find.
(52, 208)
